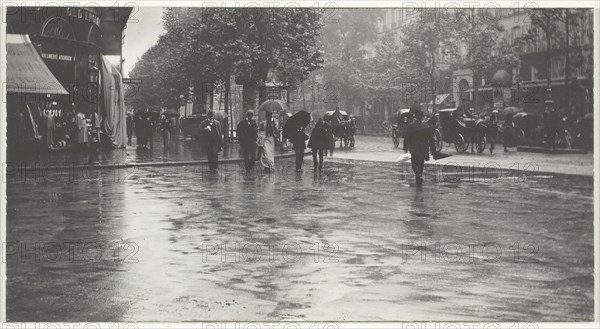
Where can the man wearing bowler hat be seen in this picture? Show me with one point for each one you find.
(213, 140)
(247, 132)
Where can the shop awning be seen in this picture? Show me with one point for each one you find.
(26, 71)
(439, 99)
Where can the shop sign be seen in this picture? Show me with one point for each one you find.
(83, 14)
(58, 57)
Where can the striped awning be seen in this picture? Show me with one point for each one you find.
(26, 71)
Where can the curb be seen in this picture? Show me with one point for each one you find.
(434, 165)
(147, 164)
(535, 149)
(428, 165)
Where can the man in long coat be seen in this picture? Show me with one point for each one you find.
(247, 131)
(212, 139)
(419, 142)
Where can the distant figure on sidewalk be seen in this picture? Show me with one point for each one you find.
(492, 131)
(419, 142)
(269, 134)
(247, 131)
(129, 128)
(165, 127)
(212, 139)
(319, 142)
(49, 126)
(140, 130)
(81, 130)
(509, 134)
(149, 131)
(552, 125)
(298, 140)
(329, 133)
(414, 109)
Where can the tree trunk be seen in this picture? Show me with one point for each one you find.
(476, 105)
(567, 64)
(432, 82)
(227, 93)
(548, 64)
(303, 97)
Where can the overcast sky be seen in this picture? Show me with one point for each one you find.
(143, 28)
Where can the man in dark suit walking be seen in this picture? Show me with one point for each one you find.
(419, 142)
(213, 140)
(247, 131)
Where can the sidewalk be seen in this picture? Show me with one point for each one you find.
(180, 152)
(380, 149)
(368, 148)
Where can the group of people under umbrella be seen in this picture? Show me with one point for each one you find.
(258, 139)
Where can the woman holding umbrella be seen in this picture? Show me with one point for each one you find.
(269, 134)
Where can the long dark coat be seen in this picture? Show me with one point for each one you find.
(298, 140)
(420, 140)
(212, 140)
(319, 139)
(247, 131)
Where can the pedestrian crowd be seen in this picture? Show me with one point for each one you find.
(257, 141)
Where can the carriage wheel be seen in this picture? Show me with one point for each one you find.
(480, 142)
(439, 142)
(459, 144)
(395, 138)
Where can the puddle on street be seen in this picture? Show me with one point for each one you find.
(357, 242)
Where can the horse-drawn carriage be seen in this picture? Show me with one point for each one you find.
(344, 131)
(463, 131)
(404, 119)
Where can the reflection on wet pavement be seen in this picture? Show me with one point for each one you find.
(354, 243)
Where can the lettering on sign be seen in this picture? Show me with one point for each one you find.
(84, 14)
(58, 57)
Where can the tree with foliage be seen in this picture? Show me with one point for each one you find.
(282, 40)
(431, 34)
(564, 30)
(344, 39)
(485, 51)
(160, 74)
(208, 45)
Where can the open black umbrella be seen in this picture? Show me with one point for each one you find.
(299, 119)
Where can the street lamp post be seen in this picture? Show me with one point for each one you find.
(94, 75)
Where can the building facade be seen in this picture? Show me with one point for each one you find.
(71, 40)
(75, 46)
(528, 80)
